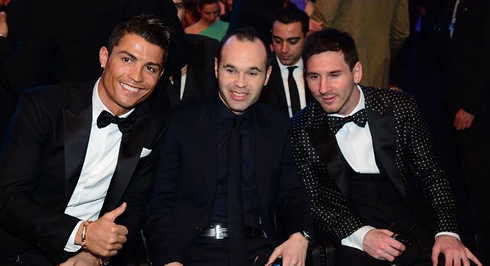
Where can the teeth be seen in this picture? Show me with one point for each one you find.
(239, 93)
(129, 88)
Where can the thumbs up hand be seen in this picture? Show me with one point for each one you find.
(104, 237)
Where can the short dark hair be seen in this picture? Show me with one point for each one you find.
(148, 27)
(291, 14)
(331, 40)
(246, 34)
(201, 3)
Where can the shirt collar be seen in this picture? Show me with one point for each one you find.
(299, 64)
(223, 113)
(360, 105)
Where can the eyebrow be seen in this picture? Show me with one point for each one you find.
(289, 39)
(136, 59)
(250, 69)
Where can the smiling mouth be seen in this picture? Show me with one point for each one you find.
(239, 94)
(129, 88)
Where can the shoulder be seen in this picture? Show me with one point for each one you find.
(309, 117)
(56, 96)
(379, 99)
(273, 116)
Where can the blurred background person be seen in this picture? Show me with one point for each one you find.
(209, 24)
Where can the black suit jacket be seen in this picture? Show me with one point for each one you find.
(274, 94)
(403, 151)
(43, 159)
(185, 189)
(60, 40)
(200, 80)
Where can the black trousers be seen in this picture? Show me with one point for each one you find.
(215, 252)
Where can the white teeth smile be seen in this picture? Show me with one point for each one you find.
(129, 88)
(240, 94)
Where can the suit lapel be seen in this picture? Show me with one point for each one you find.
(277, 83)
(129, 154)
(77, 122)
(206, 143)
(262, 149)
(382, 127)
(325, 144)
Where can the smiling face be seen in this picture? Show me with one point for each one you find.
(287, 42)
(131, 72)
(242, 73)
(332, 83)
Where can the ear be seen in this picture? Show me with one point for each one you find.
(357, 72)
(103, 56)
(267, 75)
(216, 67)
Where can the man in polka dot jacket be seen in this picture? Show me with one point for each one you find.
(369, 166)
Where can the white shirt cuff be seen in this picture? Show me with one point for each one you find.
(356, 239)
(448, 234)
(70, 245)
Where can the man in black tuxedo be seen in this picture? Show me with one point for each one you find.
(227, 177)
(287, 90)
(369, 167)
(76, 152)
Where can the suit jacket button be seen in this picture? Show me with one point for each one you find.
(198, 228)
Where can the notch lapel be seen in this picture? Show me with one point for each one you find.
(206, 143)
(77, 123)
(262, 149)
(277, 83)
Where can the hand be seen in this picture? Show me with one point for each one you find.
(379, 244)
(453, 250)
(315, 26)
(463, 119)
(292, 252)
(4, 28)
(82, 259)
(104, 237)
(174, 264)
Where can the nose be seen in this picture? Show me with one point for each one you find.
(325, 86)
(135, 74)
(241, 81)
(284, 47)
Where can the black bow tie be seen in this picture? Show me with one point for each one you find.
(336, 123)
(124, 124)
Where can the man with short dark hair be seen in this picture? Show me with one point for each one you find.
(287, 90)
(227, 178)
(79, 161)
(369, 167)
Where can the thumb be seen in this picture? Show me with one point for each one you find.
(112, 215)
(3, 16)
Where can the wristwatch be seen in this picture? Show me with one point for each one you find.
(307, 236)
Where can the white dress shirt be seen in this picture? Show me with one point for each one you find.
(298, 75)
(98, 167)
